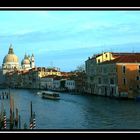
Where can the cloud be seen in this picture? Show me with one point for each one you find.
(69, 59)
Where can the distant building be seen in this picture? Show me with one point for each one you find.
(28, 62)
(11, 62)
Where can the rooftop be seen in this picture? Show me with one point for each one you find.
(129, 58)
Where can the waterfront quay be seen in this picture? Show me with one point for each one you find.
(75, 111)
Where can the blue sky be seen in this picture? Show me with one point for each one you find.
(66, 39)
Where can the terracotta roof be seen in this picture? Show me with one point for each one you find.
(115, 54)
(130, 58)
(124, 53)
(25, 72)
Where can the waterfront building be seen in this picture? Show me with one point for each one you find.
(25, 74)
(70, 85)
(34, 78)
(128, 75)
(47, 82)
(56, 84)
(59, 83)
(118, 76)
(92, 69)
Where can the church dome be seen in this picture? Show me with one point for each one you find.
(10, 57)
(25, 61)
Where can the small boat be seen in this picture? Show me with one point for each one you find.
(50, 95)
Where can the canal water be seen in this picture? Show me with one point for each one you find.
(76, 111)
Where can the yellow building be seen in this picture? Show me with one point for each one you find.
(105, 56)
(43, 72)
(53, 72)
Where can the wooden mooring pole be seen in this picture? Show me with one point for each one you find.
(31, 114)
(4, 119)
(19, 122)
(16, 119)
(31, 109)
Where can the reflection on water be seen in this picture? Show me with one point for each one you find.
(76, 111)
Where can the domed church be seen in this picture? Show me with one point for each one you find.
(28, 62)
(11, 62)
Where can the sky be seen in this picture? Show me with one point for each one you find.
(66, 39)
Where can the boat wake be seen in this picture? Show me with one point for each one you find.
(39, 93)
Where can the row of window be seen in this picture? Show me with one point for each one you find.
(105, 70)
(124, 69)
(124, 80)
(102, 70)
(112, 81)
(56, 83)
(70, 83)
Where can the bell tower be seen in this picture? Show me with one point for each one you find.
(32, 61)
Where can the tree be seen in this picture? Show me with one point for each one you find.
(80, 68)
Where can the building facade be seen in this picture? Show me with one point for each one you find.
(70, 85)
(114, 77)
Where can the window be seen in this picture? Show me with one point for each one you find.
(137, 78)
(99, 80)
(105, 70)
(139, 68)
(124, 69)
(105, 80)
(106, 55)
(98, 60)
(91, 78)
(112, 81)
(124, 81)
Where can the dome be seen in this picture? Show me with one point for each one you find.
(10, 58)
(25, 61)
